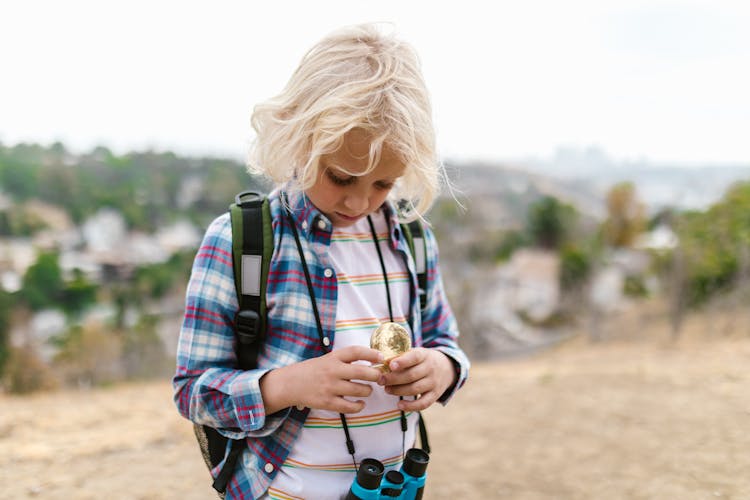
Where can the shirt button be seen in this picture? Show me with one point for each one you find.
(301, 407)
(322, 224)
(304, 224)
(328, 272)
(326, 341)
(268, 467)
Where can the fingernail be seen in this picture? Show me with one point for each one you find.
(380, 357)
(393, 365)
(381, 380)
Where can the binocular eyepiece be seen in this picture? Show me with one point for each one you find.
(406, 484)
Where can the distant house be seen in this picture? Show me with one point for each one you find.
(16, 256)
(662, 237)
(105, 231)
(53, 216)
(38, 332)
(181, 235)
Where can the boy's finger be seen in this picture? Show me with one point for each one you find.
(358, 353)
(407, 360)
(362, 372)
(422, 403)
(402, 376)
(354, 389)
(346, 406)
(409, 389)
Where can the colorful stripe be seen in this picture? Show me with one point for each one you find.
(347, 467)
(354, 421)
(373, 279)
(366, 323)
(357, 237)
(277, 494)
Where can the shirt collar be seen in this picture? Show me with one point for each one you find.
(309, 219)
(306, 215)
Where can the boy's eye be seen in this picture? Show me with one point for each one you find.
(340, 181)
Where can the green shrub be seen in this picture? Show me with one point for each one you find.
(575, 267)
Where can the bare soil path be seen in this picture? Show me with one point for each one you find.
(616, 420)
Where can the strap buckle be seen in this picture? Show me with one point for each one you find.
(248, 198)
(247, 326)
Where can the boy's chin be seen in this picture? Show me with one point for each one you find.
(341, 220)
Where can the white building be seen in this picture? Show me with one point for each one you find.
(105, 231)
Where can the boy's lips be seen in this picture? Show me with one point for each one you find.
(348, 217)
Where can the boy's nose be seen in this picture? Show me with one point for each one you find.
(356, 203)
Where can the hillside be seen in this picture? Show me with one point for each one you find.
(638, 418)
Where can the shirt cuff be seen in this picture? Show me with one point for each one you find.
(249, 409)
(461, 371)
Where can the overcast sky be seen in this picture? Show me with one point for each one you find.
(660, 80)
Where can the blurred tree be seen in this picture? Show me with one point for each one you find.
(6, 307)
(713, 244)
(154, 281)
(626, 216)
(550, 222)
(512, 241)
(19, 178)
(78, 294)
(575, 267)
(42, 284)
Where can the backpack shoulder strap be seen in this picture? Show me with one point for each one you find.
(252, 246)
(414, 233)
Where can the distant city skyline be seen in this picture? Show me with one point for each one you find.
(658, 80)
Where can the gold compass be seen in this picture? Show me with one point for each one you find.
(392, 340)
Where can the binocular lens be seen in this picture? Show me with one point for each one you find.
(371, 469)
(415, 462)
(370, 473)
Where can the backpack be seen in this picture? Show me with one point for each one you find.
(252, 247)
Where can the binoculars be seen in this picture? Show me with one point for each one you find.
(406, 484)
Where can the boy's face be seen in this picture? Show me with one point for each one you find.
(345, 198)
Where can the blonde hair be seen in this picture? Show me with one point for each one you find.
(356, 77)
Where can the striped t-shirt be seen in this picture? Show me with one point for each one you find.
(319, 466)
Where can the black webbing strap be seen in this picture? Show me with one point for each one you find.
(222, 480)
(415, 239)
(424, 441)
(247, 250)
(251, 249)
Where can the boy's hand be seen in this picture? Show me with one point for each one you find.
(323, 382)
(422, 372)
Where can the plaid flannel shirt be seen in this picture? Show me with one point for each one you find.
(210, 390)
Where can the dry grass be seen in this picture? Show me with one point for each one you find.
(617, 420)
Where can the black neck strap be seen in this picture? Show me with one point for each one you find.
(382, 266)
(321, 335)
(402, 416)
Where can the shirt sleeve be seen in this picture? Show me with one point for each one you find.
(208, 388)
(439, 327)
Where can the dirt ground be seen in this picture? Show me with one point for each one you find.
(644, 419)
